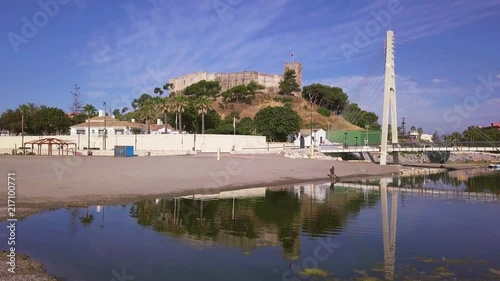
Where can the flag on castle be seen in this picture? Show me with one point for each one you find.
(293, 56)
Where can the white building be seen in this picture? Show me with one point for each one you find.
(318, 137)
(113, 126)
(426, 137)
(159, 128)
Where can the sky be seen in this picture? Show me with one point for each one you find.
(446, 52)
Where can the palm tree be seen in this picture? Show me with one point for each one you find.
(24, 110)
(90, 110)
(166, 106)
(203, 104)
(180, 103)
(420, 132)
(148, 111)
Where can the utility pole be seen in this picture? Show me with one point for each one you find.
(105, 131)
(389, 101)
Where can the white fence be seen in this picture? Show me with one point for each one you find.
(165, 142)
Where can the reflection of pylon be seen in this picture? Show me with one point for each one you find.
(389, 228)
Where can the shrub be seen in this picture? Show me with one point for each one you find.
(92, 148)
(287, 99)
(305, 107)
(278, 99)
(324, 111)
(31, 153)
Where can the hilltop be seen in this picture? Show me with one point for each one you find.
(301, 106)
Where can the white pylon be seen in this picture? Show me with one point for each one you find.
(389, 101)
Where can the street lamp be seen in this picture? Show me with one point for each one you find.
(22, 131)
(311, 100)
(345, 140)
(366, 139)
(356, 141)
(105, 131)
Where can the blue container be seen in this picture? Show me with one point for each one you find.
(124, 151)
(129, 151)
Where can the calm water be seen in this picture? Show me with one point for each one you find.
(448, 230)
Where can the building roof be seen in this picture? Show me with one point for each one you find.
(110, 122)
(307, 132)
(156, 127)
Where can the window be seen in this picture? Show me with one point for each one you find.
(80, 132)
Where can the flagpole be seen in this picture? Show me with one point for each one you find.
(234, 125)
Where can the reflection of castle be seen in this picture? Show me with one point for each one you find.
(229, 80)
(251, 218)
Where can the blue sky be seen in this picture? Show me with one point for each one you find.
(447, 58)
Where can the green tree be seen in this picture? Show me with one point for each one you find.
(420, 131)
(166, 105)
(202, 105)
(50, 120)
(289, 83)
(277, 123)
(148, 111)
(245, 126)
(332, 98)
(203, 88)
(136, 103)
(355, 115)
(10, 120)
(180, 102)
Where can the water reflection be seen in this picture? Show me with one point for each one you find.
(273, 233)
(253, 218)
(389, 228)
(471, 180)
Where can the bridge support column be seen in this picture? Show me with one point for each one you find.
(389, 100)
(395, 157)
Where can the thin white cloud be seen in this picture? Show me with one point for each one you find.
(165, 39)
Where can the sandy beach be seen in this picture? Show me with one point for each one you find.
(59, 181)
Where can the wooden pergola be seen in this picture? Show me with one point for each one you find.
(50, 142)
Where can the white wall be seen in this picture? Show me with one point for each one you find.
(319, 136)
(167, 142)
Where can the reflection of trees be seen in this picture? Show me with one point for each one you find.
(87, 219)
(276, 219)
(281, 209)
(482, 183)
(475, 182)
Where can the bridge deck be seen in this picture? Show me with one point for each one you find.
(336, 149)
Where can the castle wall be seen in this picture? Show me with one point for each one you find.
(232, 79)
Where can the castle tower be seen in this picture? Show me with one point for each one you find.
(297, 67)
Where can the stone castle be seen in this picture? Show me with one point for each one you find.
(229, 80)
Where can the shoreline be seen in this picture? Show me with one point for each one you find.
(48, 183)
